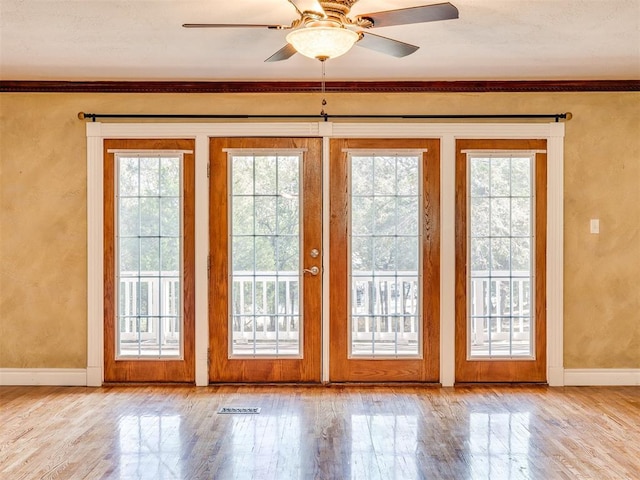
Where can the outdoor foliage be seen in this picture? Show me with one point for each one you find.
(149, 226)
(149, 214)
(500, 214)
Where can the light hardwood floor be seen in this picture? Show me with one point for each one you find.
(155, 432)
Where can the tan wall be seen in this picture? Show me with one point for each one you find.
(43, 209)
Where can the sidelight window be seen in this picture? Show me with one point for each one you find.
(148, 255)
(501, 252)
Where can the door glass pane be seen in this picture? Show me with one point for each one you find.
(265, 317)
(148, 243)
(500, 250)
(386, 317)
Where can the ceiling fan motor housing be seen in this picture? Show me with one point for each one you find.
(339, 11)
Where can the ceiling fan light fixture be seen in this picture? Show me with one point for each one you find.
(322, 42)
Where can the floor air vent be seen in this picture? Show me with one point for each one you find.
(240, 410)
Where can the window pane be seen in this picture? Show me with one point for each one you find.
(521, 177)
(170, 254)
(288, 176)
(407, 257)
(129, 177)
(479, 179)
(170, 177)
(500, 217)
(243, 215)
(266, 254)
(407, 174)
(362, 175)
(288, 215)
(265, 214)
(500, 174)
(500, 255)
(288, 257)
(407, 212)
(129, 255)
(150, 216)
(243, 251)
(242, 181)
(384, 175)
(265, 217)
(129, 216)
(385, 252)
(385, 224)
(149, 205)
(150, 255)
(149, 172)
(170, 216)
(384, 214)
(266, 177)
(500, 228)
(361, 254)
(480, 208)
(521, 217)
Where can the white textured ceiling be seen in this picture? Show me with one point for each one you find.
(144, 40)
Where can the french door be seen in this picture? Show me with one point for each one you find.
(385, 260)
(149, 250)
(379, 313)
(501, 261)
(265, 278)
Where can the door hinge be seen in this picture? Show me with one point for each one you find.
(208, 170)
(208, 266)
(208, 358)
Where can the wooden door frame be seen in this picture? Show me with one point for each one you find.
(147, 370)
(92, 373)
(501, 370)
(341, 368)
(264, 370)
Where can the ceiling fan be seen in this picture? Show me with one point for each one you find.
(324, 29)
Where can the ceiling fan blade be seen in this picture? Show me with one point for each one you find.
(283, 54)
(386, 45)
(308, 6)
(405, 16)
(235, 25)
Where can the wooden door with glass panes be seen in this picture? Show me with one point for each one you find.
(149, 247)
(385, 260)
(501, 261)
(265, 284)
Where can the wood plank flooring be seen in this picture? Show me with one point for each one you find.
(157, 432)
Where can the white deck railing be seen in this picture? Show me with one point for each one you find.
(149, 307)
(388, 307)
(500, 306)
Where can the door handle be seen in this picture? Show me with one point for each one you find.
(313, 270)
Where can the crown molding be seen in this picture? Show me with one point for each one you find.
(31, 86)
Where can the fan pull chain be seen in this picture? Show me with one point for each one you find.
(324, 100)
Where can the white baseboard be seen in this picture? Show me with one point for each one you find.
(601, 376)
(83, 377)
(71, 377)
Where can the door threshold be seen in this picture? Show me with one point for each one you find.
(385, 384)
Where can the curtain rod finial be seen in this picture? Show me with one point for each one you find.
(81, 115)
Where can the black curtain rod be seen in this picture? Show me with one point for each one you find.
(325, 117)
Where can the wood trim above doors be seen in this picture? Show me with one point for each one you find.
(464, 86)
